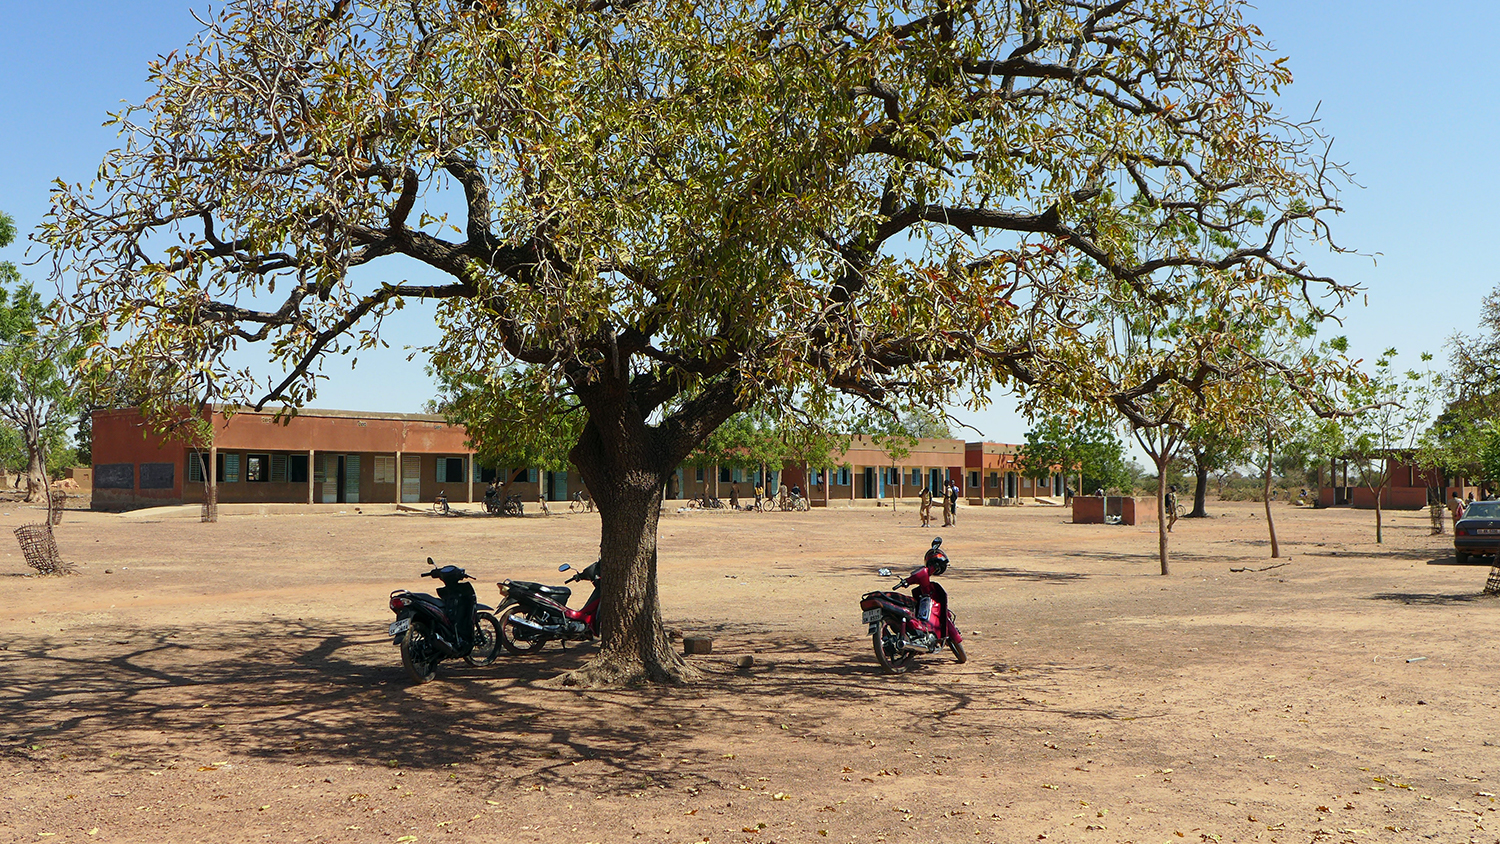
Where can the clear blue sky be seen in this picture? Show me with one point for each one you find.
(1406, 89)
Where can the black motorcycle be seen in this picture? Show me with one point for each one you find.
(454, 625)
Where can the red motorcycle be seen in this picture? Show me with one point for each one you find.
(903, 626)
(534, 614)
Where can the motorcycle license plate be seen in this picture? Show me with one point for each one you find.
(399, 626)
(872, 615)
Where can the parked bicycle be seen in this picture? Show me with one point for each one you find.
(706, 502)
(513, 506)
(440, 504)
(580, 503)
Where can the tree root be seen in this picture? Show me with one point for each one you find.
(613, 672)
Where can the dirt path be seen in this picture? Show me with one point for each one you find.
(232, 682)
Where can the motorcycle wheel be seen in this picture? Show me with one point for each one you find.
(486, 641)
(418, 654)
(884, 642)
(513, 643)
(960, 656)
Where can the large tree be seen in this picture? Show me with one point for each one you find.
(672, 212)
(1210, 448)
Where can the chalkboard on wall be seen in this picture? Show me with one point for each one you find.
(158, 475)
(114, 476)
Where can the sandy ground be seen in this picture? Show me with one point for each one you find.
(232, 682)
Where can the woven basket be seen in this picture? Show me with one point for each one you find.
(40, 549)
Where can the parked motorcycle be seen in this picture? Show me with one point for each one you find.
(903, 626)
(453, 625)
(534, 614)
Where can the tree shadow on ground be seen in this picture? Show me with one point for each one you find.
(1431, 599)
(959, 571)
(1424, 554)
(988, 572)
(1451, 560)
(313, 693)
(1149, 559)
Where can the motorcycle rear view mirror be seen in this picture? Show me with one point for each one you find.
(884, 572)
(430, 562)
(564, 567)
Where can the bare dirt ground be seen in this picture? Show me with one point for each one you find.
(232, 682)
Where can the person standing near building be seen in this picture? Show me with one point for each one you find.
(953, 503)
(926, 498)
(947, 513)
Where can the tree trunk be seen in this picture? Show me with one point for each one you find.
(1378, 491)
(1266, 496)
(1200, 494)
(36, 473)
(626, 482)
(1161, 513)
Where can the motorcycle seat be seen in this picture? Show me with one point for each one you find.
(558, 593)
(898, 598)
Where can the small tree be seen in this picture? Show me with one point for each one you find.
(1080, 448)
(1396, 410)
(510, 423)
(896, 431)
(37, 395)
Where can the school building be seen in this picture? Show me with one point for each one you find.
(316, 457)
(984, 472)
(863, 471)
(995, 478)
(350, 457)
